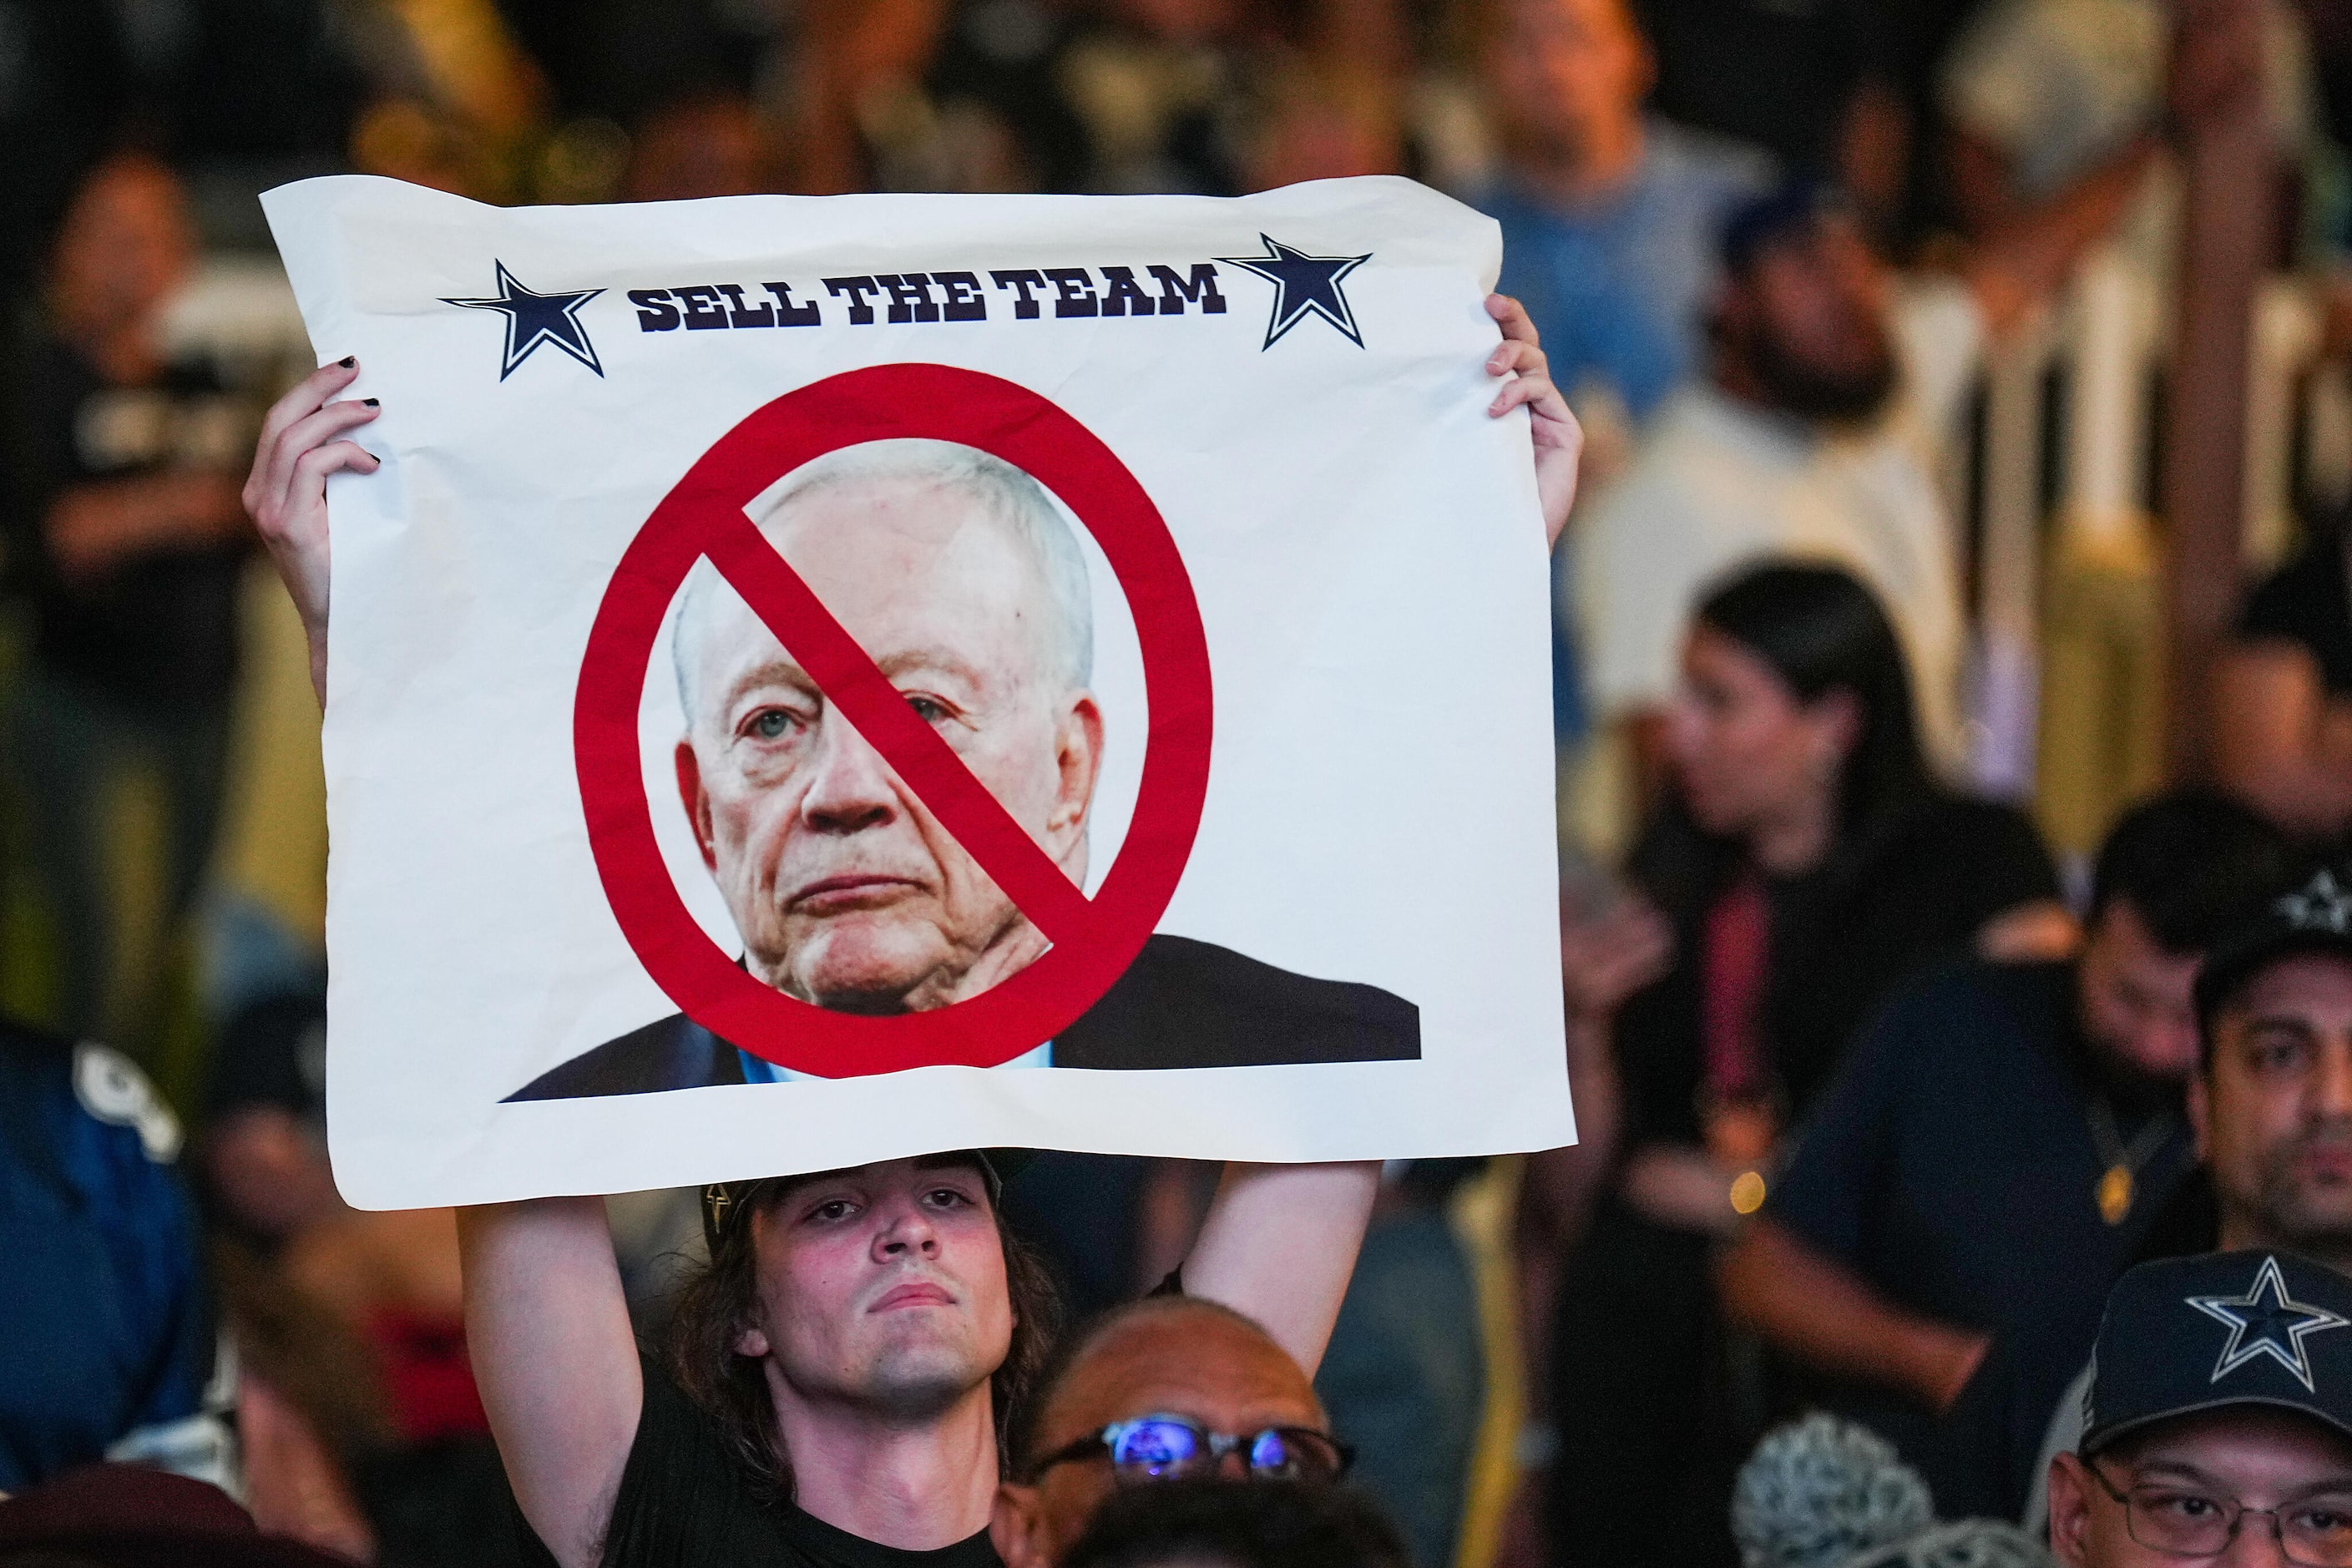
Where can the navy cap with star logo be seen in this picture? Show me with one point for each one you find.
(2316, 917)
(2192, 1334)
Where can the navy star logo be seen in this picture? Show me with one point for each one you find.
(2266, 1321)
(2321, 906)
(535, 319)
(1304, 286)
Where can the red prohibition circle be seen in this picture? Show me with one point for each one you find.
(1092, 940)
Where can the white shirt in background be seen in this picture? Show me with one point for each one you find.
(1721, 484)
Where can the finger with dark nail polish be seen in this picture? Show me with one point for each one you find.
(348, 360)
(369, 401)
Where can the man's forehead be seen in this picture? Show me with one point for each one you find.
(1198, 1363)
(2296, 983)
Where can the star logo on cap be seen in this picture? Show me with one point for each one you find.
(2266, 1321)
(2321, 906)
(1304, 286)
(535, 319)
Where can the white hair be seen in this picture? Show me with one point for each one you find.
(1009, 495)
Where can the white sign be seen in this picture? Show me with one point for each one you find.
(817, 681)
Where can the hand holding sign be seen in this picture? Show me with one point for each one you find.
(868, 594)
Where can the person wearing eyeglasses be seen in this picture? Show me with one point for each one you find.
(1168, 1388)
(2219, 1421)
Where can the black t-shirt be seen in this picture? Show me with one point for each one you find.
(1840, 939)
(2308, 601)
(1953, 1166)
(683, 1503)
(162, 623)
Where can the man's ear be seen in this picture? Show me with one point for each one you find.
(691, 796)
(1078, 756)
(1015, 1527)
(752, 1342)
(2070, 1511)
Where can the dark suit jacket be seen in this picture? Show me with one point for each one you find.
(1182, 1004)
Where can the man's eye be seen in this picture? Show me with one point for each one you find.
(928, 709)
(772, 723)
(2332, 1518)
(948, 1198)
(2182, 1505)
(838, 1209)
(2279, 1055)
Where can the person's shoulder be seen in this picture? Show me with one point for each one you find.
(668, 1052)
(1188, 1004)
(1977, 999)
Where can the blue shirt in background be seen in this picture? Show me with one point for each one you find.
(1616, 288)
(105, 1344)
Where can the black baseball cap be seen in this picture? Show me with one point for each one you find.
(2314, 917)
(724, 1202)
(2192, 1334)
(1789, 209)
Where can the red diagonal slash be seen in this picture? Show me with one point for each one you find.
(855, 685)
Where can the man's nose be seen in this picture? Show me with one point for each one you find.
(906, 1228)
(850, 786)
(2331, 1089)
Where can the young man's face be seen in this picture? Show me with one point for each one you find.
(2200, 1468)
(2138, 997)
(881, 1287)
(1224, 1374)
(2274, 1106)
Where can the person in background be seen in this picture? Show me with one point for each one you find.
(1221, 1524)
(2271, 1105)
(2282, 705)
(106, 1339)
(364, 1430)
(1804, 865)
(1819, 427)
(2220, 1423)
(2040, 96)
(128, 537)
(1163, 1389)
(1609, 214)
(1998, 1147)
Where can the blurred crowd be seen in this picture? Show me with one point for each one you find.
(1882, 1082)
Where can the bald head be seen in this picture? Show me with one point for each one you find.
(1168, 1356)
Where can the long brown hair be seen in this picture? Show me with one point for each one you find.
(719, 1301)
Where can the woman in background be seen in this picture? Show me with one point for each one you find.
(1804, 862)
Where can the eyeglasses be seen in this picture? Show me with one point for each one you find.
(1157, 1447)
(2180, 1522)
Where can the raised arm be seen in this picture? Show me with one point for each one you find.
(547, 1326)
(1278, 1245)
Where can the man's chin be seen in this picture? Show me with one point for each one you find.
(861, 970)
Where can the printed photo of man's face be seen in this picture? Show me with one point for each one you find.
(964, 583)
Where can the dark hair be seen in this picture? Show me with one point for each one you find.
(2192, 863)
(1237, 1524)
(720, 1299)
(1821, 631)
(1028, 1430)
